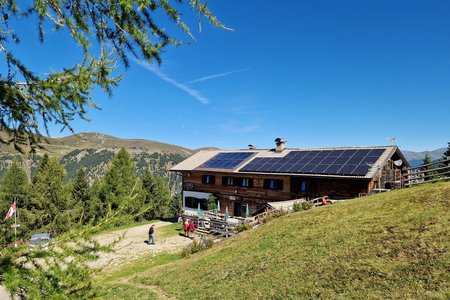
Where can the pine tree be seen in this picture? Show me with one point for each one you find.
(445, 163)
(50, 201)
(121, 188)
(163, 199)
(446, 154)
(14, 187)
(95, 209)
(148, 184)
(81, 193)
(426, 165)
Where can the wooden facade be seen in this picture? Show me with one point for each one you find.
(236, 197)
(237, 190)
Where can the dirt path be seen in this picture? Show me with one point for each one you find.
(133, 245)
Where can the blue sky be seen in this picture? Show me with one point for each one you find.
(318, 73)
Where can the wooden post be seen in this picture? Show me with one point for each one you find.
(226, 231)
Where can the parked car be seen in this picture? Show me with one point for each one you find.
(40, 241)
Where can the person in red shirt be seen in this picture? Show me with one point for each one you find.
(186, 228)
(191, 226)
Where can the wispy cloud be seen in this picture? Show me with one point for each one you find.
(194, 93)
(239, 127)
(216, 76)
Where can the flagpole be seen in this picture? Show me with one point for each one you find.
(15, 224)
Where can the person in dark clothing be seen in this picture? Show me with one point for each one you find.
(151, 232)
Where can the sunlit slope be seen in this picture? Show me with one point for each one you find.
(391, 245)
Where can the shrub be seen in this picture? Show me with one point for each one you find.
(273, 215)
(186, 252)
(243, 227)
(197, 246)
(299, 206)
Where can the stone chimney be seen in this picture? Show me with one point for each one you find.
(281, 144)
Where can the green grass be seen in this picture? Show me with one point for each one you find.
(122, 283)
(388, 246)
(168, 231)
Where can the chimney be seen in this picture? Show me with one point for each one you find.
(281, 144)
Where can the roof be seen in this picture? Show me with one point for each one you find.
(338, 162)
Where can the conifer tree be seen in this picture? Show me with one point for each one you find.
(49, 198)
(95, 209)
(119, 182)
(445, 164)
(426, 166)
(148, 184)
(81, 193)
(14, 186)
(446, 155)
(163, 199)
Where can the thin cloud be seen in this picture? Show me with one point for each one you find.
(238, 127)
(194, 93)
(216, 76)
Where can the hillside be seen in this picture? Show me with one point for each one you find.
(387, 246)
(94, 151)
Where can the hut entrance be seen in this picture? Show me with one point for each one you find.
(237, 210)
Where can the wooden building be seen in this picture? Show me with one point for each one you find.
(255, 177)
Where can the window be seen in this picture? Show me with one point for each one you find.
(208, 179)
(247, 182)
(273, 184)
(227, 180)
(300, 185)
(193, 202)
(303, 187)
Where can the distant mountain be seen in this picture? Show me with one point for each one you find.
(94, 151)
(416, 158)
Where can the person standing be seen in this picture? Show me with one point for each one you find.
(151, 233)
(191, 227)
(186, 228)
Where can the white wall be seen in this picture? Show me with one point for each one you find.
(199, 195)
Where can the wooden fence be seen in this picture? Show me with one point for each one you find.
(432, 172)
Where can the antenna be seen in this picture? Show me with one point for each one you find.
(393, 139)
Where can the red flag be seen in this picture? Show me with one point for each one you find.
(11, 211)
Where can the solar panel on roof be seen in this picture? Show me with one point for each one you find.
(376, 152)
(361, 170)
(347, 162)
(319, 169)
(226, 160)
(347, 169)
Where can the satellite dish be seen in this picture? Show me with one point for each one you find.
(398, 162)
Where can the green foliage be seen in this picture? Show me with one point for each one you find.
(199, 245)
(212, 202)
(148, 184)
(51, 205)
(299, 206)
(120, 181)
(243, 227)
(81, 195)
(163, 199)
(14, 185)
(426, 165)
(104, 31)
(273, 215)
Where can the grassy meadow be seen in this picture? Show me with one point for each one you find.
(393, 245)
